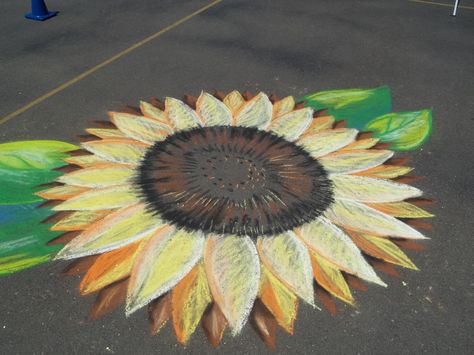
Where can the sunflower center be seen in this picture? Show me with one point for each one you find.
(233, 180)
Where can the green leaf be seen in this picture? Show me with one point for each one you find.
(26, 164)
(403, 130)
(356, 106)
(23, 238)
(33, 154)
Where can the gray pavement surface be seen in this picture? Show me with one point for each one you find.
(287, 47)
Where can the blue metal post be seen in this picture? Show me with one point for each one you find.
(39, 11)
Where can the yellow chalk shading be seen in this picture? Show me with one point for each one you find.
(117, 150)
(190, 298)
(167, 257)
(401, 210)
(100, 199)
(383, 248)
(212, 111)
(79, 220)
(280, 301)
(331, 279)
(292, 124)
(283, 106)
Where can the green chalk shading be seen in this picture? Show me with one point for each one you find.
(23, 167)
(403, 130)
(356, 106)
(27, 164)
(23, 238)
(12, 264)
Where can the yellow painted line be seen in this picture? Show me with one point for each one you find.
(104, 63)
(442, 4)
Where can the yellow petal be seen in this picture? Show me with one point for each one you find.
(362, 144)
(256, 112)
(354, 161)
(386, 171)
(140, 128)
(166, 258)
(401, 210)
(100, 199)
(288, 259)
(118, 229)
(99, 176)
(85, 160)
(359, 217)
(233, 273)
(320, 124)
(325, 239)
(384, 249)
(126, 151)
(105, 132)
(181, 115)
(283, 106)
(61, 192)
(212, 111)
(79, 220)
(190, 298)
(279, 300)
(331, 279)
(291, 125)
(326, 142)
(234, 101)
(154, 113)
(372, 190)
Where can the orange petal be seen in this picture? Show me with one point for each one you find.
(109, 267)
(190, 298)
(385, 171)
(281, 302)
(331, 279)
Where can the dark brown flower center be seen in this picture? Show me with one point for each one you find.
(233, 180)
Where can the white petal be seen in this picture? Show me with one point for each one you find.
(100, 199)
(212, 111)
(288, 259)
(181, 115)
(325, 142)
(255, 113)
(283, 106)
(371, 190)
(166, 258)
(333, 244)
(116, 230)
(293, 124)
(144, 129)
(117, 150)
(233, 272)
(353, 161)
(357, 216)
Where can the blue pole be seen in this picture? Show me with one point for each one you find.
(39, 11)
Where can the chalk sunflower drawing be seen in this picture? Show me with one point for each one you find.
(224, 208)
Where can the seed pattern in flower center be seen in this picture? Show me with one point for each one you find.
(233, 180)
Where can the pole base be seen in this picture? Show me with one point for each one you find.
(32, 16)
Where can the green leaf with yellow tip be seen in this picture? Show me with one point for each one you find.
(25, 165)
(356, 106)
(403, 130)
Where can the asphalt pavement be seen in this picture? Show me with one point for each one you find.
(288, 47)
